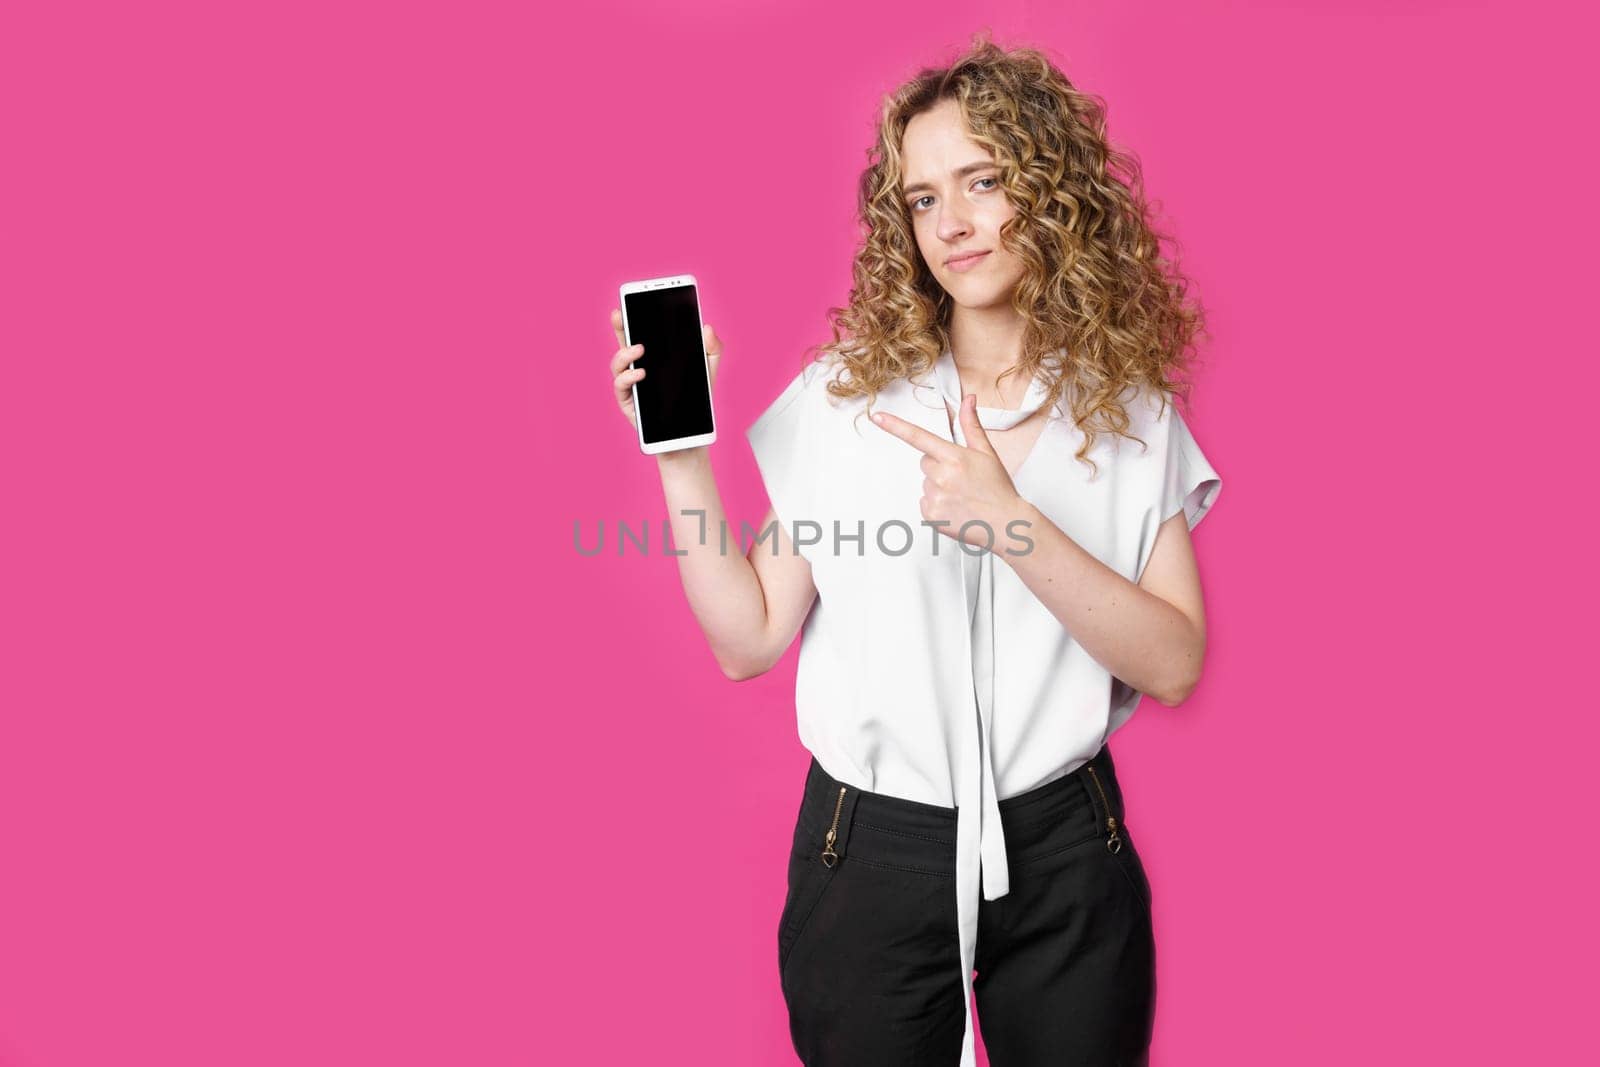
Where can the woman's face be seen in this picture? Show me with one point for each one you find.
(952, 191)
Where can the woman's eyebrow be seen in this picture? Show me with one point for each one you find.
(959, 172)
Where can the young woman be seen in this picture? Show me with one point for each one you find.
(988, 579)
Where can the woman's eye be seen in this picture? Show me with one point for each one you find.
(916, 204)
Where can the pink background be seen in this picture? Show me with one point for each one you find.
(320, 744)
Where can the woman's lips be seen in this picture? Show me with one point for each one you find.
(966, 263)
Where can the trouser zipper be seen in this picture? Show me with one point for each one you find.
(1113, 842)
(829, 856)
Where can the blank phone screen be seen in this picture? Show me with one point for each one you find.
(674, 399)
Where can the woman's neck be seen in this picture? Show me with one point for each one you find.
(985, 343)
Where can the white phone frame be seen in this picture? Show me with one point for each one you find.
(678, 443)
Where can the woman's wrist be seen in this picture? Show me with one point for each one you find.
(684, 458)
(1015, 533)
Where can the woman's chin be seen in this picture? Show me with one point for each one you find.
(980, 297)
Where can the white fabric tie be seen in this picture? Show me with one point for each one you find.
(980, 842)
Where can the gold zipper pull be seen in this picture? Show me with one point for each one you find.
(1113, 842)
(829, 856)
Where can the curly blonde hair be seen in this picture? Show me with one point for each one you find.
(1103, 310)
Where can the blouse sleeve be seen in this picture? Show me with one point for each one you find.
(781, 438)
(1190, 482)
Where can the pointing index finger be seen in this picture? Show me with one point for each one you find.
(915, 436)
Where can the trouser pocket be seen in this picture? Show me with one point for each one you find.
(1118, 841)
(1132, 867)
(808, 880)
(812, 865)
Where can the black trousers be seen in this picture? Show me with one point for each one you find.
(868, 955)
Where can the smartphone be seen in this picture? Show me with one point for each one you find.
(672, 402)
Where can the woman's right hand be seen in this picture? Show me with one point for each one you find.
(622, 378)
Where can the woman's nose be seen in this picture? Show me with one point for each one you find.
(953, 226)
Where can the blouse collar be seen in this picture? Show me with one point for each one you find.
(948, 381)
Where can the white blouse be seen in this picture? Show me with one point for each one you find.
(926, 671)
